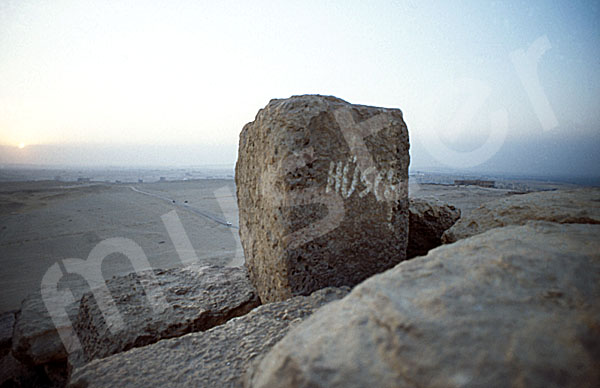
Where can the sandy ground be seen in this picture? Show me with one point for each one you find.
(43, 223)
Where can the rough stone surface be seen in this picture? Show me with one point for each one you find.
(322, 194)
(214, 358)
(35, 338)
(579, 206)
(38, 357)
(7, 323)
(428, 220)
(196, 298)
(515, 306)
(14, 374)
(192, 302)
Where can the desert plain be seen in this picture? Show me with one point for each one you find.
(174, 222)
(46, 222)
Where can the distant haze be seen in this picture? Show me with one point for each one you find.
(546, 156)
(86, 82)
(543, 156)
(136, 155)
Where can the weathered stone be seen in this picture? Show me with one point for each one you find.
(56, 373)
(428, 220)
(13, 373)
(191, 302)
(7, 323)
(38, 357)
(578, 206)
(515, 306)
(36, 340)
(322, 194)
(214, 358)
(195, 298)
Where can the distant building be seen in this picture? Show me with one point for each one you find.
(475, 182)
(162, 179)
(140, 181)
(83, 180)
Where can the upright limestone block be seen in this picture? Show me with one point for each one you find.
(322, 193)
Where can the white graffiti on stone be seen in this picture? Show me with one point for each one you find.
(345, 178)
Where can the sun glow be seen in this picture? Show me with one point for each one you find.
(21, 146)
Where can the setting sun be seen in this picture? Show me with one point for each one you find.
(21, 145)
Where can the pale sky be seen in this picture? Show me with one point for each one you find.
(194, 72)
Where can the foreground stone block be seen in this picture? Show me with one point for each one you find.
(194, 298)
(214, 358)
(322, 194)
(197, 298)
(579, 206)
(38, 357)
(515, 306)
(36, 340)
(7, 323)
(13, 373)
(428, 220)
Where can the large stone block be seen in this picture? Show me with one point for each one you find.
(322, 194)
(514, 306)
(7, 323)
(147, 306)
(215, 358)
(15, 374)
(38, 356)
(36, 339)
(195, 298)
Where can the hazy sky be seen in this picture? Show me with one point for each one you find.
(471, 77)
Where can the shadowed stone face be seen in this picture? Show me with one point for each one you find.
(322, 193)
(428, 219)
